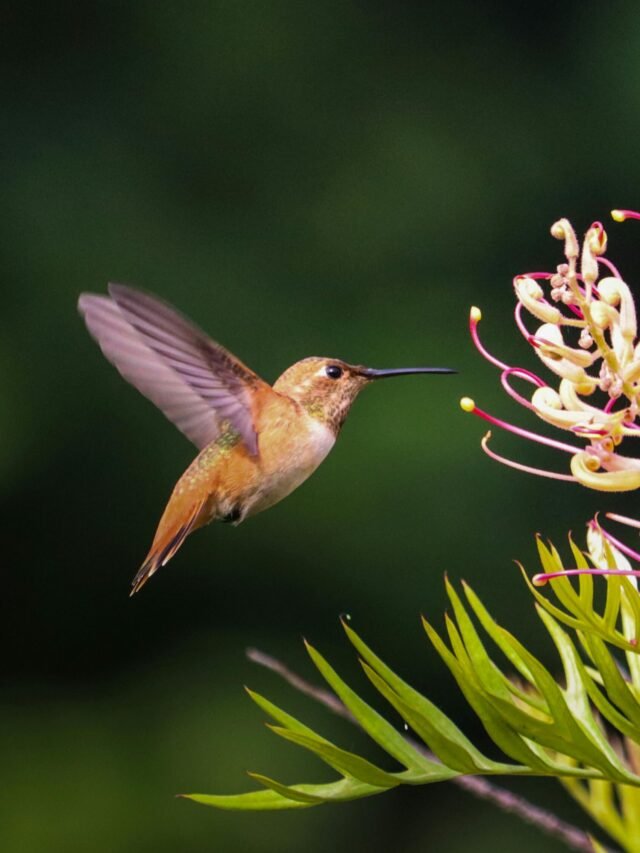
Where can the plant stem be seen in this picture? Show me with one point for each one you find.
(571, 836)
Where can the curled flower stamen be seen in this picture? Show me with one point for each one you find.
(542, 579)
(620, 215)
(526, 334)
(613, 269)
(468, 405)
(613, 540)
(475, 315)
(528, 469)
(600, 556)
(623, 519)
(519, 373)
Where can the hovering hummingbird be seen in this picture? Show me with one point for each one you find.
(257, 442)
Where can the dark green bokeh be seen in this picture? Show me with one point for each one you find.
(335, 179)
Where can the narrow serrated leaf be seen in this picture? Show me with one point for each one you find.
(585, 582)
(546, 557)
(630, 609)
(615, 685)
(288, 791)
(509, 741)
(565, 727)
(567, 596)
(576, 691)
(484, 668)
(491, 627)
(279, 715)
(592, 679)
(417, 702)
(630, 807)
(601, 805)
(285, 719)
(348, 763)
(631, 598)
(612, 605)
(263, 800)
(268, 800)
(379, 729)
(454, 757)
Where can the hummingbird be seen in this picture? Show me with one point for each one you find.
(257, 442)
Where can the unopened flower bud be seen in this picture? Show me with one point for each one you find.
(615, 389)
(597, 238)
(563, 230)
(589, 265)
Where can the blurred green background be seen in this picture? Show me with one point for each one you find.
(327, 178)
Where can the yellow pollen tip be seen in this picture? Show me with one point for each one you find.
(475, 315)
(467, 404)
(538, 580)
(618, 216)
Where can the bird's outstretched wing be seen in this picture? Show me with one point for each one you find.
(194, 381)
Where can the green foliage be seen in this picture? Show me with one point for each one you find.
(583, 728)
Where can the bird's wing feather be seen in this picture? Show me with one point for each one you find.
(194, 381)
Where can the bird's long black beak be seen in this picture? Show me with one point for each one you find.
(372, 373)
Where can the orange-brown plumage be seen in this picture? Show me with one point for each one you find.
(257, 443)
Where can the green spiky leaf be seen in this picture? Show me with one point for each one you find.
(542, 724)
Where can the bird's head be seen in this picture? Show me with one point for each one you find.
(326, 387)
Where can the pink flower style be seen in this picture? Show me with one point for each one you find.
(587, 337)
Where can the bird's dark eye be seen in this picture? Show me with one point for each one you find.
(333, 371)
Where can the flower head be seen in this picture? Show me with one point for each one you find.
(585, 332)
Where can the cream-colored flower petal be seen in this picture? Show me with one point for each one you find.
(603, 481)
(563, 368)
(579, 357)
(615, 462)
(548, 406)
(531, 295)
(560, 366)
(595, 545)
(571, 398)
(614, 291)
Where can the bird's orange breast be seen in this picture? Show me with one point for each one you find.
(229, 482)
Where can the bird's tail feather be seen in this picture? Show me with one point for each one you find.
(165, 545)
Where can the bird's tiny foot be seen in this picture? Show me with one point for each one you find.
(232, 516)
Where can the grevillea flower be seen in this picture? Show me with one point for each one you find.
(586, 335)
